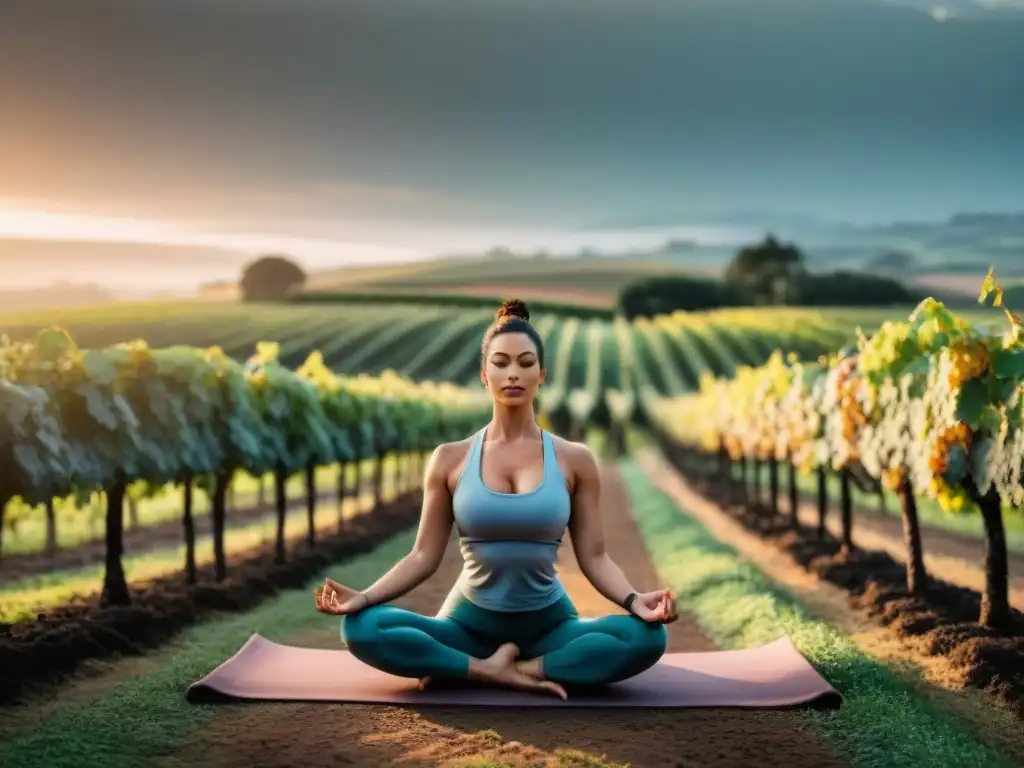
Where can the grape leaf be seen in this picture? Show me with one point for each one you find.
(971, 401)
(956, 466)
(1007, 363)
(991, 286)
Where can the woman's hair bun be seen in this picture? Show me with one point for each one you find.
(513, 308)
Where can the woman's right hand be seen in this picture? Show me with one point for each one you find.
(657, 607)
(338, 600)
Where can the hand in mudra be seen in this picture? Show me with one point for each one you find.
(657, 607)
(337, 599)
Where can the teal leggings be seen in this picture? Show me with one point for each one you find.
(575, 651)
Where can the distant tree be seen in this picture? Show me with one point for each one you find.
(768, 271)
(664, 294)
(270, 278)
(845, 288)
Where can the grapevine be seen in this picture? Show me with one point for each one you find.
(933, 403)
(129, 420)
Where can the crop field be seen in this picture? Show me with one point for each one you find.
(596, 366)
(594, 282)
(169, 539)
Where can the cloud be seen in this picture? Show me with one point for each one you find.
(350, 111)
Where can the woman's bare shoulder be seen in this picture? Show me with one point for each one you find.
(577, 452)
(576, 460)
(450, 459)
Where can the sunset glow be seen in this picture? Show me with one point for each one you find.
(20, 222)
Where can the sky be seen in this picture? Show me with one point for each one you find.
(365, 131)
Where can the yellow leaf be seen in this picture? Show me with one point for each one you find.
(267, 351)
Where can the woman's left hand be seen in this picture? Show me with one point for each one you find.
(658, 607)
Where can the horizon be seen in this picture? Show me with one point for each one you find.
(318, 255)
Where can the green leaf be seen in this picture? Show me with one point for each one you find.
(980, 461)
(989, 286)
(990, 419)
(1015, 324)
(53, 343)
(98, 368)
(920, 366)
(956, 466)
(971, 402)
(1008, 363)
(98, 406)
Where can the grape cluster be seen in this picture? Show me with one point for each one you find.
(851, 411)
(969, 360)
(906, 406)
(893, 477)
(957, 434)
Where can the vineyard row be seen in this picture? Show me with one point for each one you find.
(933, 405)
(77, 421)
(598, 368)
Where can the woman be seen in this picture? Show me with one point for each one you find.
(511, 490)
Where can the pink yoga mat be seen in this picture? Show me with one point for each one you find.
(771, 675)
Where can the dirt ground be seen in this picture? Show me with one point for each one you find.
(331, 735)
(957, 557)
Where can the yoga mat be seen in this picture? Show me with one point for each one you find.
(772, 675)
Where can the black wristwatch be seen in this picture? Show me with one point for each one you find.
(628, 602)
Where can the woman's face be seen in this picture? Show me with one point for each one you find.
(512, 371)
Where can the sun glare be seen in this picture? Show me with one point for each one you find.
(19, 222)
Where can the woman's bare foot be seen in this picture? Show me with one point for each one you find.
(531, 667)
(501, 668)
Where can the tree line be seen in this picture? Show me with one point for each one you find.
(768, 273)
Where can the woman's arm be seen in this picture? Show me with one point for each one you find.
(435, 528)
(587, 532)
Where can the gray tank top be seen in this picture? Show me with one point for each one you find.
(510, 541)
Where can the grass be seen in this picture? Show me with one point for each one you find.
(605, 275)
(883, 721)
(24, 598)
(965, 523)
(145, 717)
(142, 718)
(26, 532)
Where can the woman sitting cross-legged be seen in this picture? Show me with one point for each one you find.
(511, 491)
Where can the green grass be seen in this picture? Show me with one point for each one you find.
(26, 527)
(883, 721)
(605, 275)
(473, 300)
(965, 523)
(24, 598)
(143, 718)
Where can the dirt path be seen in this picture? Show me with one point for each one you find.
(314, 735)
